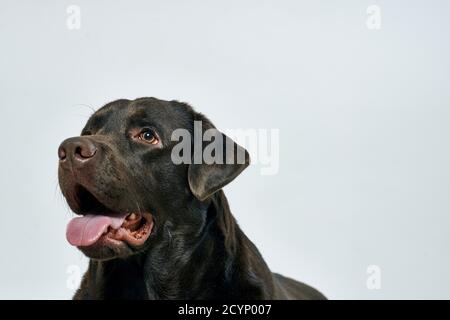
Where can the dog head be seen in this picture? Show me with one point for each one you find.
(123, 179)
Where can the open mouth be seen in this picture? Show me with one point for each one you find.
(100, 224)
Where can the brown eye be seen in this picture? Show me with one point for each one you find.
(148, 136)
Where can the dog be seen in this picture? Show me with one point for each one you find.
(154, 228)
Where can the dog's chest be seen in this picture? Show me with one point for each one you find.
(123, 283)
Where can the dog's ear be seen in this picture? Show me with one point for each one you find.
(207, 177)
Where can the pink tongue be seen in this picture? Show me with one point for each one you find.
(86, 230)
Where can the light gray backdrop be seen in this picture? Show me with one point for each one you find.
(363, 116)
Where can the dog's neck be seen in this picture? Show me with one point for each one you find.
(222, 262)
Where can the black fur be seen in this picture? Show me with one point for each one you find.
(197, 250)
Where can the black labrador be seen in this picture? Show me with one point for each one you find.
(155, 228)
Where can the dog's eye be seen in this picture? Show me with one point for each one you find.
(148, 136)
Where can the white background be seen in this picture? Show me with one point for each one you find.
(363, 116)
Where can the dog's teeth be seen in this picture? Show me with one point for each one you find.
(132, 216)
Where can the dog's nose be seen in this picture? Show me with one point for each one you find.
(78, 149)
